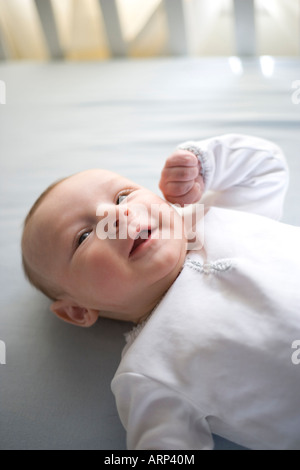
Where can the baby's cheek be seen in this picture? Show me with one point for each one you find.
(106, 271)
(100, 264)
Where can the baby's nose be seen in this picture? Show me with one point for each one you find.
(114, 221)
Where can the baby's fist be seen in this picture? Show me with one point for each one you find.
(181, 180)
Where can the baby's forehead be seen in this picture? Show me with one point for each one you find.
(74, 189)
(81, 189)
(98, 177)
(89, 181)
(94, 175)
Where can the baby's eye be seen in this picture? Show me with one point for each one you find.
(122, 196)
(83, 237)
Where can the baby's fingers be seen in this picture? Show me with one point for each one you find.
(179, 178)
(184, 193)
(179, 174)
(181, 158)
(178, 188)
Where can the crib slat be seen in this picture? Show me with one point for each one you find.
(245, 27)
(176, 25)
(113, 28)
(2, 50)
(46, 14)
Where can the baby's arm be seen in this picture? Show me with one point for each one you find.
(240, 172)
(157, 418)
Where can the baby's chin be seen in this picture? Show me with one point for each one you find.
(170, 259)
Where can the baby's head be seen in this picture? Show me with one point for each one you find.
(95, 242)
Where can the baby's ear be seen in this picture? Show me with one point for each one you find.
(71, 313)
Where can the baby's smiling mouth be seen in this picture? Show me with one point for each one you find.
(140, 239)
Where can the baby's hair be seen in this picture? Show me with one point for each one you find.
(51, 291)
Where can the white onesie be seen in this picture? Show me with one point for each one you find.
(216, 355)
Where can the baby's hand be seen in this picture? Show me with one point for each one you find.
(181, 181)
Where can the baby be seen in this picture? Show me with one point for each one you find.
(212, 351)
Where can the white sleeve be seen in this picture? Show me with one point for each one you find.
(156, 418)
(242, 172)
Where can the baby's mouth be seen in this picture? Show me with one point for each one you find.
(140, 239)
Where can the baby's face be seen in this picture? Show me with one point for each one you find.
(109, 243)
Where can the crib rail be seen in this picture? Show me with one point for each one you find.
(98, 29)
